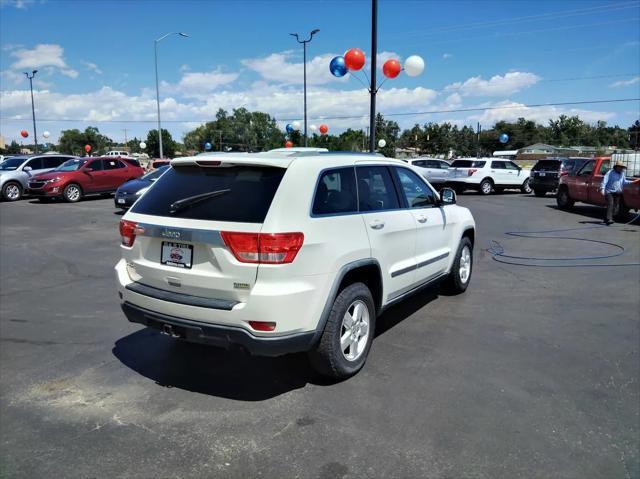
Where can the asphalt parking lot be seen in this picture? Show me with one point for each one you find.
(531, 373)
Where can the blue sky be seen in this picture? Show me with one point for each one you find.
(95, 61)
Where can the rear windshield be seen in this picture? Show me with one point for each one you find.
(547, 165)
(468, 164)
(244, 193)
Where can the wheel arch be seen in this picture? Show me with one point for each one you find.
(366, 271)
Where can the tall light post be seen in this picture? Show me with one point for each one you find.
(373, 89)
(304, 49)
(155, 48)
(33, 109)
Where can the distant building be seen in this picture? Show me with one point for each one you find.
(507, 154)
(2, 143)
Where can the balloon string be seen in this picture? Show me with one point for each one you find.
(367, 77)
(380, 86)
(357, 78)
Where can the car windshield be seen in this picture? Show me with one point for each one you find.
(155, 174)
(71, 165)
(11, 164)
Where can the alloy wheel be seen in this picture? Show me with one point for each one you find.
(354, 332)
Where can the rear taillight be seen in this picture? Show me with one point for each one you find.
(471, 171)
(264, 248)
(564, 172)
(262, 325)
(128, 232)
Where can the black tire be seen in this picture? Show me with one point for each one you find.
(540, 193)
(327, 358)
(69, 193)
(525, 188)
(563, 199)
(455, 283)
(12, 191)
(486, 186)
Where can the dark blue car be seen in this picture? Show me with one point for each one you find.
(130, 191)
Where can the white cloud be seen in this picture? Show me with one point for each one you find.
(20, 4)
(279, 68)
(16, 79)
(42, 55)
(511, 111)
(497, 85)
(446, 56)
(92, 67)
(623, 83)
(199, 84)
(184, 68)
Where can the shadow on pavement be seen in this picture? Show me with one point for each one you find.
(233, 374)
(596, 212)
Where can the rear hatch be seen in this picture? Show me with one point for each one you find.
(546, 169)
(465, 168)
(181, 222)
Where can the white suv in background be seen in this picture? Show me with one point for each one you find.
(282, 253)
(487, 175)
(434, 170)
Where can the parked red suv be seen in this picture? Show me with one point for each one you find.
(83, 176)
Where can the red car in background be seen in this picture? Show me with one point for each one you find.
(79, 177)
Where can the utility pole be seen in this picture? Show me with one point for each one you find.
(304, 61)
(33, 109)
(478, 134)
(125, 136)
(372, 90)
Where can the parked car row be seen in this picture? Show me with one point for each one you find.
(64, 176)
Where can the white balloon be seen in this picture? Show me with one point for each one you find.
(382, 143)
(143, 145)
(296, 125)
(46, 134)
(313, 127)
(414, 65)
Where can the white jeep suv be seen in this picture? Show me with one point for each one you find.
(487, 175)
(282, 253)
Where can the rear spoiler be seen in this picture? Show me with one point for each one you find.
(229, 160)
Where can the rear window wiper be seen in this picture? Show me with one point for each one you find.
(192, 200)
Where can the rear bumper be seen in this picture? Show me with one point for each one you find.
(220, 336)
(547, 184)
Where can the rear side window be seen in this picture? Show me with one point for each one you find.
(113, 164)
(375, 189)
(604, 167)
(244, 193)
(52, 161)
(336, 192)
(498, 165)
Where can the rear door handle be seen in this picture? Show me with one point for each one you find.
(376, 224)
(422, 219)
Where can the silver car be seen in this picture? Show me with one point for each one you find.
(16, 171)
(434, 170)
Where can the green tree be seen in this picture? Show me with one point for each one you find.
(153, 144)
(73, 141)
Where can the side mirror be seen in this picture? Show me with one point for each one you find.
(447, 196)
(88, 170)
(27, 169)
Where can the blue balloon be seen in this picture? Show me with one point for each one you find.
(504, 138)
(207, 146)
(44, 145)
(289, 128)
(337, 67)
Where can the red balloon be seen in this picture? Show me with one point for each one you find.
(323, 129)
(354, 59)
(288, 144)
(391, 68)
(24, 133)
(87, 148)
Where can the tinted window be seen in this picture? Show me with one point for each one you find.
(546, 165)
(568, 165)
(604, 167)
(375, 189)
(96, 165)
(52, 161)
(35, 164)
(444, 165)
(12, 163)
(511, 166)
(251, 190)
(587, 169)
(498, 165)
(416, 193)
(421, 163)
(468, 164)
(433, 164)
(113, 164)
(132, 162)
(336, 192)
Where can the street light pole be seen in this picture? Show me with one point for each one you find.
(33, 109)
(373, 88)
(155, 51)
(304, 56)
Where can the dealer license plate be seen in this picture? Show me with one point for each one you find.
(179, 255)
(542, 173)
(121, 201)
